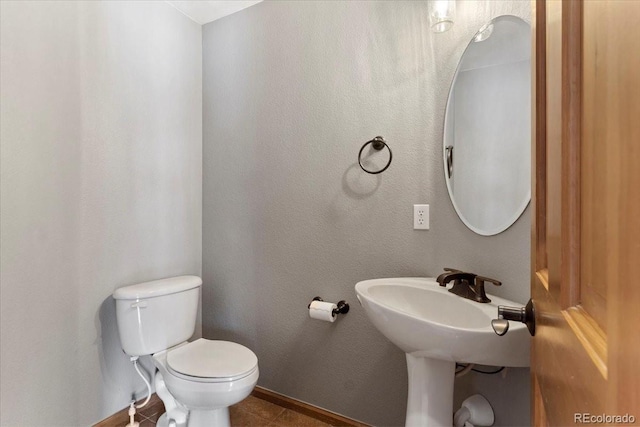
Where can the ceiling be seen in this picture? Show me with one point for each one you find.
(206, 11)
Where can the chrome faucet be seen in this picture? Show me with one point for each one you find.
(466, 285)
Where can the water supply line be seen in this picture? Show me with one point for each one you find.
(132, 405)
(134, 359)
(465, 370)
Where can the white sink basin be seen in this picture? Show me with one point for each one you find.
(436, 328)
(425, 320)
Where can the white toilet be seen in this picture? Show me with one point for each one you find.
(197, 381)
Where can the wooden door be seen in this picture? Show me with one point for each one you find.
(586, 202)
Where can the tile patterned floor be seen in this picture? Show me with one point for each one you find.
(251, 412)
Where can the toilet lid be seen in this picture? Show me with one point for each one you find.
(212, 359)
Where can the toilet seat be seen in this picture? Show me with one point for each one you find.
(211, 361)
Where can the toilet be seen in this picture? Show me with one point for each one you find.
(198, 380)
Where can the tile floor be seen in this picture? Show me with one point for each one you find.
(251, 412)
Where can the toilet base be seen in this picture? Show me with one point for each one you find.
(211, 418)
(162, 421)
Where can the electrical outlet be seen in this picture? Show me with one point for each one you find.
(420, 217)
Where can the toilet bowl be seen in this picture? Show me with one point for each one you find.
(197, 381)
(204, 378)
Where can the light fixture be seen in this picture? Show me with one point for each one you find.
(441, 15)
(483, 33)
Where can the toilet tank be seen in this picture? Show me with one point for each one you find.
(156, 315)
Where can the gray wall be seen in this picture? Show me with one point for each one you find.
(101, 187)
(291, 92)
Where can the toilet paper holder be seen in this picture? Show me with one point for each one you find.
(343, 306)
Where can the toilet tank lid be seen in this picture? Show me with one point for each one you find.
(156, 288)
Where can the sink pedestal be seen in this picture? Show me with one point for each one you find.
(430, 399)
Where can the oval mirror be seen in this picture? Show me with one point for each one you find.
(487, 134)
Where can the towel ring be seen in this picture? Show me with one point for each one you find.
(378, 143)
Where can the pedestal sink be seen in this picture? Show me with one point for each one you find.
(436, 329)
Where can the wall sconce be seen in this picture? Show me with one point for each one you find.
(441, 15)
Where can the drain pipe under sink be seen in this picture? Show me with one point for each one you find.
(475, 411)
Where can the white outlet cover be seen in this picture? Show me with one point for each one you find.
(420, 217)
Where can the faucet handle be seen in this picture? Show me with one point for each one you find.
(481, 295)
(486, 279)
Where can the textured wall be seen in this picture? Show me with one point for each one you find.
(291, 92)
(101, 187)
